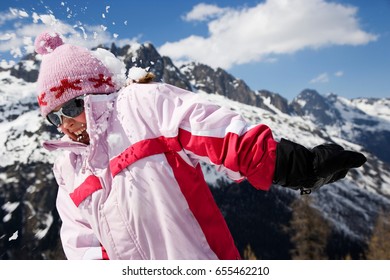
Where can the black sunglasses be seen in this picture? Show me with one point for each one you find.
(70, 109)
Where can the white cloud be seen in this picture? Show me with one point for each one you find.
(322, 78)
(271, 60)
(242, 35)
(202, 12)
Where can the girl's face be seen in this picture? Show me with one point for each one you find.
(75, 128)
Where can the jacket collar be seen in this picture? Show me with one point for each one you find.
(64, 143)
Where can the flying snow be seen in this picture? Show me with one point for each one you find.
(116, 66)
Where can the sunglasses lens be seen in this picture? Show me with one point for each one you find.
(73, 108)
(54, 119)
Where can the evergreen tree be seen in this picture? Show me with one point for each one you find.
(309, 231)
(249, 254)
(379, 244)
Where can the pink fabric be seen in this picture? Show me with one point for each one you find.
(87, 188)
(68, 71)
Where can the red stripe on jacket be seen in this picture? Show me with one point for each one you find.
(104, 253)
(252, 154)
(203, 206)
(88, 187)
(143, 149)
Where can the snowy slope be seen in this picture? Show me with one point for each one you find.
(378, 108)
(20, 123)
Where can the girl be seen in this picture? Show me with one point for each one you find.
(130, 182)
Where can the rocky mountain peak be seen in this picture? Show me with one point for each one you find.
(218, 81)
(276, 100)
(26, 68)
(310, 103)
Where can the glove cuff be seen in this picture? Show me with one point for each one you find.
(294, 165)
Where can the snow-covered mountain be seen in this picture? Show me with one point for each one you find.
(29, 223)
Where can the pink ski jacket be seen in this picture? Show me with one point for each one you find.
(138, 192)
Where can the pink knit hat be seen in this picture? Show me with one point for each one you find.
(68, 71)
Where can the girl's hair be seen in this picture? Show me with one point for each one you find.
(146, 79)
(139, 75)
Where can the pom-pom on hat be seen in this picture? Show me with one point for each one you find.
(68, 71)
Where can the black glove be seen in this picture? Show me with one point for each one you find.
(307, 170)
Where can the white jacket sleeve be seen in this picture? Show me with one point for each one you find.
(77, 237)
(217, 135)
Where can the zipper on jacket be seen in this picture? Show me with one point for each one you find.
(84, 166)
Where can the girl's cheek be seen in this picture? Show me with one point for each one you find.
(81, 118)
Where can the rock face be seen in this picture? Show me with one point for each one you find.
(311, 103)
(207, 79)
(29, 224)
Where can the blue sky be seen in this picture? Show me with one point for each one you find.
(285, 46)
